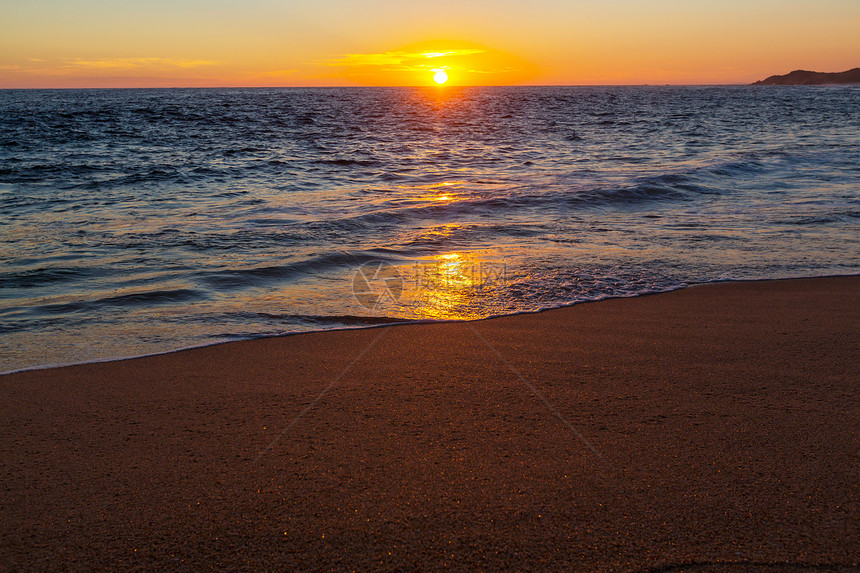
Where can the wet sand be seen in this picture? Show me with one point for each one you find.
(709, 429)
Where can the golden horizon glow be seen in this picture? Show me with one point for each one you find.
(87, 43)
(427, 63)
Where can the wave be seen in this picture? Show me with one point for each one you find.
(335, 320)
(233, 279)
(139, 299)
(46, 276)
(645, 192)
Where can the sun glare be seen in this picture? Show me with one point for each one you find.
(440, 77)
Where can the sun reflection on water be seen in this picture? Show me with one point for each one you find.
(444, 192)
(448, 286)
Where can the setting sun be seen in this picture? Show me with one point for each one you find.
(440, 77)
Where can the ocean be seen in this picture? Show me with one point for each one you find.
(143, 221)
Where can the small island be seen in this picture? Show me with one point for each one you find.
(807, 78)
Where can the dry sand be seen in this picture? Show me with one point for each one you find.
(723, 420)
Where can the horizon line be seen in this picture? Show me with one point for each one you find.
(433, 87)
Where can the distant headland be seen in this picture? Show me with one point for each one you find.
(806, 78)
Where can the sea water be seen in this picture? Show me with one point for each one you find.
(141, 221)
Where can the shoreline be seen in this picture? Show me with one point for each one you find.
(405, 322)
(710, 428)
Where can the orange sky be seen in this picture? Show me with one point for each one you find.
(91, 43)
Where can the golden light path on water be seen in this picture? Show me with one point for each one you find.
(450, 285)
(447, 286)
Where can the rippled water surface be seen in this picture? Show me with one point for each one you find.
(138, 221)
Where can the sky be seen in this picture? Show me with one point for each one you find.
(176, 43)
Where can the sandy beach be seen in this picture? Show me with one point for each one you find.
(713, 428)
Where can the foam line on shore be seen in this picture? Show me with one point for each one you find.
(400, 322)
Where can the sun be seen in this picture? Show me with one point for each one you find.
(440, 77)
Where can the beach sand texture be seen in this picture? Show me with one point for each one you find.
(713, 428)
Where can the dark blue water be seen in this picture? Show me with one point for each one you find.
(139, 221)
